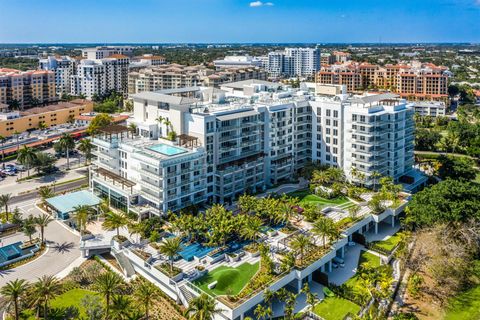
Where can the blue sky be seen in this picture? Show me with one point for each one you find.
(316, 21)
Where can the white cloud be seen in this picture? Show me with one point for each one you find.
(255, 4)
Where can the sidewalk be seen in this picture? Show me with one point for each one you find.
(10, 185)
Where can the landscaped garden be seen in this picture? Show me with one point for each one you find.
(306, 196)
(388, 244)
(73, 298)
(335, 308)
(365, 257)
(230, 281)
(466, 306)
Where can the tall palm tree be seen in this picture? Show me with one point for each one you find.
(13, 291)
(115, 221)
(2, 141)
(42, 222)
(26, 156)
(202, 308)
(85, 146)
(82, 215)
(251, 228)
(66, 143)
(170, 248)
(29, 227)
(300, 243)
(145, 293)
(46, 289)
(4, 201)
(268, 296)
(132, 127)
(322, 228)
(108, 284)
(45, 192)
(311, 297)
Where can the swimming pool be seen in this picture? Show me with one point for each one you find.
(196, 249)
(166, 149)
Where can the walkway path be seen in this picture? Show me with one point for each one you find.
(62, 250)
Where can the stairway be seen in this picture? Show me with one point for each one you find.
(187, 294)
(123, 261)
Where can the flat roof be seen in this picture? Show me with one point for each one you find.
(375, 98)
(66, 203)
(161, 97)
(242, 84)
(237, 115)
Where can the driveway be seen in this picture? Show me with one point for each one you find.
(61, 253)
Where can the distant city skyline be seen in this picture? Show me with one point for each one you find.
(239, 21)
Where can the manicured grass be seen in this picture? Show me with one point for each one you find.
(354, 282)
(465, 306)
(229, 280)
(335, 308)
(390, 243)
(305, 196)
(72, 298)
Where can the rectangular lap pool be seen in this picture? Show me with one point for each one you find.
(166, 149)
(196, 249)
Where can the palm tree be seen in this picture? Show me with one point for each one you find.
(202, 308)
(85, 146)
(132, 127)
(311, 298)
(108, 283)
(13, 291)
(29, 227)
(42, 222)
(45, 192)
(322, 228)
(353, 211)
(66, 143)
(251, 228)
(145, 293)
(170, 248)
(262, 312)
(26, 156)
(82, 216)
(115, 220)
(286, 211)
(300, 243)
(268, 296)
(121, 306)
(4, 201)
(46, 289)
(2, 141)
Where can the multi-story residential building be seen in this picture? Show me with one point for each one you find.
(64, 68)
(341, 56)
(24, 89)
(51, 115)
(238, 62)
(414, 82)
(430, 108)
(294, 62)
(146, 60)
(253, 134)
(101, 75)
(106, 51)
(174, 76)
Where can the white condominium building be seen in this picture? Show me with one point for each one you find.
(64, 68)
(101, 75)
(294, 62)
(238, 62)
(430, 108)
(106, 51)
(245, 137)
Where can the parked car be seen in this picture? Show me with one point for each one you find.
(339, 261)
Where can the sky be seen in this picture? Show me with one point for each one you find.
(239, 21)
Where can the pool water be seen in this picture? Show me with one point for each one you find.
(166, 149)
(12, 251)
(196, 249)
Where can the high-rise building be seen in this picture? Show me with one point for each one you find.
(174, 76)
(64, 68)
(238, 62)
(294, 62)
(414, 81)
(247, 136)
(100, 76)
(106, 51)
(25, 89)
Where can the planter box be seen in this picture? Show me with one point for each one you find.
(119, 245)
(254, 254)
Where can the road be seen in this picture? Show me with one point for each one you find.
(34, 193)
(62, 249)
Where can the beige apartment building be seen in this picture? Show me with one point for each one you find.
(55, 114)
(25, 89)
(414, 81)
(174, 76)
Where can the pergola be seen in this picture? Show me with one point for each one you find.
(188, 141)
(113, 130)
(115, 178)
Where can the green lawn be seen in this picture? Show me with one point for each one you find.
(465, 306)
(390, 243)
(305, 196)
(335, 308)
(72, 298)
(229, 280)
(354, 282)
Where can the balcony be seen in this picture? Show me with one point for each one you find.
(150, 184)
